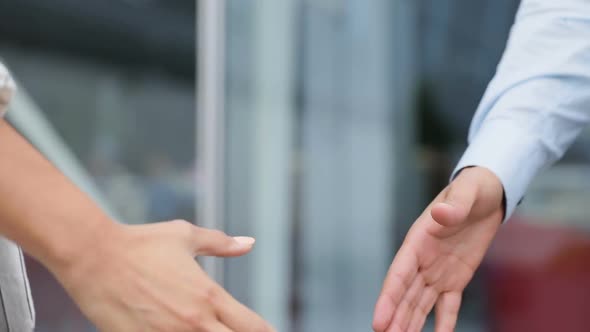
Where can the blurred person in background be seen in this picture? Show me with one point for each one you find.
(123, 278)
(533, 109)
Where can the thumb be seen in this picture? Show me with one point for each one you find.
(456, 204)
(208, 242)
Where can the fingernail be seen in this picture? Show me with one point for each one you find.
(245, 240)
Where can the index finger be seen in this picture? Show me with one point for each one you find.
(238, 317)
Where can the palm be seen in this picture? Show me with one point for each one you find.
(435, 263)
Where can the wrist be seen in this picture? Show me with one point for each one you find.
(64, 254)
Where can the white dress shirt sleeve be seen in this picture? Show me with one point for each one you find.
(539, 99)
(7, 88)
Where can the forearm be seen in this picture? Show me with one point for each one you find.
(40, 208)
(537, 103)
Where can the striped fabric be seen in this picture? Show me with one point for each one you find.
(16, 305)
(7, 88)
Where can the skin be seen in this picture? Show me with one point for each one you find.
(440, 254)
(124, 278)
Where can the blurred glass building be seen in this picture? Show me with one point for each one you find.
(344, 119)
(324, 127)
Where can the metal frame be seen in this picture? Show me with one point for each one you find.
(210, 120)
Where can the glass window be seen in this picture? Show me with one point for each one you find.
(313, 148)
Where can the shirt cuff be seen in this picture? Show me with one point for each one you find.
(7, 87)
(508, 151)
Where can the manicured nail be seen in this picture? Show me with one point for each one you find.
(245, 240)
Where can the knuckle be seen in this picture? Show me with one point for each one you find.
(193, 319)
(186, 228)
(181, 224)
(217, 233)
(209, 296)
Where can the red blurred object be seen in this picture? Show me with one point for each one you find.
(538, 278)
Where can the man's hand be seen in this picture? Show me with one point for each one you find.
(440, 253)
(144, 279)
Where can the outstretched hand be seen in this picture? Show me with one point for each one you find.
(440, 254)
(144, 278)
